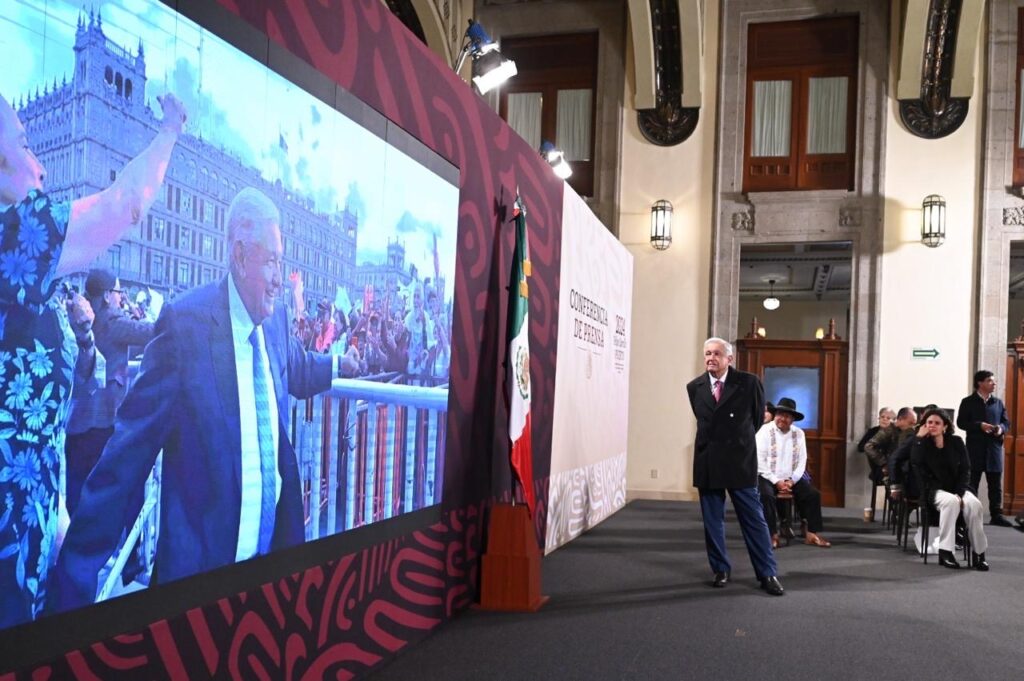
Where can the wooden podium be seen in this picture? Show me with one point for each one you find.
(510, 579)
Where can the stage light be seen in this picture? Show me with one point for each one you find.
(557, 160)
(491, 68)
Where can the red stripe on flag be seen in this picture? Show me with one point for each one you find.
(522, 462)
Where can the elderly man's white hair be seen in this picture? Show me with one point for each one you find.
(721, 341)
(250, 210)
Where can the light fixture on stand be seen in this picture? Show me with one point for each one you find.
(771, 302)
(661, 224)
(490, 67)
(933, 220)
(556, 157)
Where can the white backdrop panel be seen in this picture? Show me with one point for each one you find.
(588, 448)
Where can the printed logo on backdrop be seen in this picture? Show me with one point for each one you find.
(589, 324)
(620, 343)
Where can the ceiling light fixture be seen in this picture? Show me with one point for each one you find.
(771, 302)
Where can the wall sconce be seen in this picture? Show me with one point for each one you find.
(819, 333)
(933, 220)
(556, 157)
(491, 68)
(761, 332)
(661, 224)
(771, 302)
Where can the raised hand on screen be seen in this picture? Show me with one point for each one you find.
(174, 113)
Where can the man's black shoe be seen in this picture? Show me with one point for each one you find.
(947, 559)
(1020, 521)
(721, 579)
(1000, 521)
(772, 586)
(980, 564)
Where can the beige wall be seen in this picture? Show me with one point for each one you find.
(928, 293)
(670, 288)
(795, 319)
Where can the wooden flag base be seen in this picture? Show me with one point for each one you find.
(510, 579)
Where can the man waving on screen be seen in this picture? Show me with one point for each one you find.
(212, 394)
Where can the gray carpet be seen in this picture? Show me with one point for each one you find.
(630, 599)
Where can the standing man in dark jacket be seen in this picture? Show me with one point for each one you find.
(729, 406)
(91, 419)
(983, 417)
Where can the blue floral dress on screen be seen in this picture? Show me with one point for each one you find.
(37, 361)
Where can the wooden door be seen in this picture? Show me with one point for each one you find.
(823, 362)
(1013, 444)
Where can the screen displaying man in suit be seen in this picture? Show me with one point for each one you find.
(212, 394)
(729, 406)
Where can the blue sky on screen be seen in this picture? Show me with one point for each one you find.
(253, 113)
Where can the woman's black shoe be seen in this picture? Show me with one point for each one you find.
(947, 559)
(980, 564)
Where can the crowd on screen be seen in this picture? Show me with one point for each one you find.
(408, 337)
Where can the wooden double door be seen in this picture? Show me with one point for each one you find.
(814, 373)
(1013, 444)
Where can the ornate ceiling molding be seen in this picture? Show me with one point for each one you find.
(406, 13)
(668, 56)
(439, 24)
(940, 39)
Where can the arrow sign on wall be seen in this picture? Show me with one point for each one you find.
(925, 353)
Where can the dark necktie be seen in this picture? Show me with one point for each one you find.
(268, 460)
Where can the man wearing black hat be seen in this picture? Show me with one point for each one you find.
(729, 406)
(91, 416)
(781, 463)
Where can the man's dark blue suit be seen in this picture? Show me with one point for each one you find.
(185, 402)
(725, 458)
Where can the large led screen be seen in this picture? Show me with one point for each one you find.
(225, 308)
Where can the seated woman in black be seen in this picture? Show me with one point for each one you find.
(940, 460)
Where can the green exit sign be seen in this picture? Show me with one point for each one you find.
(925, 353)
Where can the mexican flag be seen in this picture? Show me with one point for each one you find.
(519, 360)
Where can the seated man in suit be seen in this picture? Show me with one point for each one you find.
(781, 462)
(212, 394)
(880, 448)
(885, 417)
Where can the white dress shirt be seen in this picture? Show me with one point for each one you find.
(790, 453)
(252, 482)
(721, 380)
